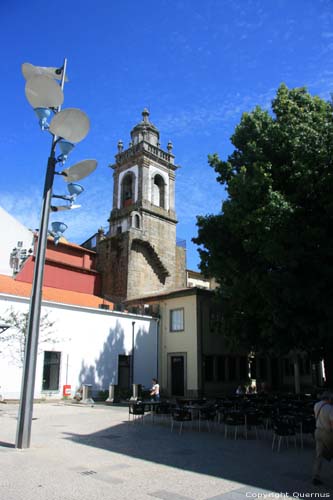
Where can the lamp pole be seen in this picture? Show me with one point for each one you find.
(31, 347)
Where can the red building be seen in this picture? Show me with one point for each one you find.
(67, 267)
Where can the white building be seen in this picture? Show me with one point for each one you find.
(88, 345)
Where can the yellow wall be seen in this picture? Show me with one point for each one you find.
(179, 342)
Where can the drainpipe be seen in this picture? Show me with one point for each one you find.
(132, 367)
(157, 347)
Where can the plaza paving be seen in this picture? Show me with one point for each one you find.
(82, 452)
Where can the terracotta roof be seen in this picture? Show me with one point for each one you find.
(12, 287)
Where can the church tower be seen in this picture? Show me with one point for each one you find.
(139, 255)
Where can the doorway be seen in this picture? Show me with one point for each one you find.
(124, 371)
(177, 364)
(51, 371)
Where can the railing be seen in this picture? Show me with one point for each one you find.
(144, 146)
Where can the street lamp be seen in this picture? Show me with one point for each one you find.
(70, 125)
(4, 327)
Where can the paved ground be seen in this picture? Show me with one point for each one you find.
(82, 452)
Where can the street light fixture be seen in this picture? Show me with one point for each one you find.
(4, 327)
(72, 125)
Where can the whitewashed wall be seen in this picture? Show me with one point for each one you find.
(90, 341)
(12, 231)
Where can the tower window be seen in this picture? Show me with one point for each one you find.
(159, 191)
(137, 221)
(127, 190)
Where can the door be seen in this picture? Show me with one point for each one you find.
(51, 371)
(124, 372)
(177, 375)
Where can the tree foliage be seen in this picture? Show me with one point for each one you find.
(14, 339)
(271, 247)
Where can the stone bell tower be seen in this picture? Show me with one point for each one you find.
(139, 255)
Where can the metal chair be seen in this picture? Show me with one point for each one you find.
(283, 428)
(254, 420)
(307, 425)
(235, 420)
(137, 410)
(207, 415)
(180, 415)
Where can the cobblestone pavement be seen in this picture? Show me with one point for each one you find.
(83, 452)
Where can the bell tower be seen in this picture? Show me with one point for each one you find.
(139, 256)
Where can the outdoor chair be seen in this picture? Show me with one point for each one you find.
(237, 421)
(164, 410)
(137, 410)
(283, 428)
(307, 425)
(182, 416)
(207, 415)
(254, 421)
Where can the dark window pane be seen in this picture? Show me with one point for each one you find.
(51, 371)
(232, 368)
(209, 368)
(263, 368)
(220, 368)
(243, 368)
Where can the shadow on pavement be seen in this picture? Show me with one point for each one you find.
(251, 462)
(3, 444)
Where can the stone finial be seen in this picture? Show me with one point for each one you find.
(100, 235)
(145, 115)
(169, 146)
(120, 146)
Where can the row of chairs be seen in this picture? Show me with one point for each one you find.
(284, 427)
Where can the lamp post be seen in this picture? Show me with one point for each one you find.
(46, 97)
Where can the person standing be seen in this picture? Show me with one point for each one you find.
(155, 390)
(323, 411)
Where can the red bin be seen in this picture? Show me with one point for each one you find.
(66, 390)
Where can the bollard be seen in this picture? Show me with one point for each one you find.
(86, 394)
(112, 393)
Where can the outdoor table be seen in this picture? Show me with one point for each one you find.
(151, 407)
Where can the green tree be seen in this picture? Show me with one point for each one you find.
(14, 338)
(271, 247)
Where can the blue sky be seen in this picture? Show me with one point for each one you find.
(197, 65)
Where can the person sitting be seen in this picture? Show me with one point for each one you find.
(155, 390)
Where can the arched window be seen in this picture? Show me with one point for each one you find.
(137, 221)
(127, 190)
(159, 191)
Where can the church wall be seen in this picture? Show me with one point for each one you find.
(113, 264)
(180, 273)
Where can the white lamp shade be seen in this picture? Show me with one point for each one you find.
(29, 70)
(79, 170)
(43, 92)
(71, 124)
